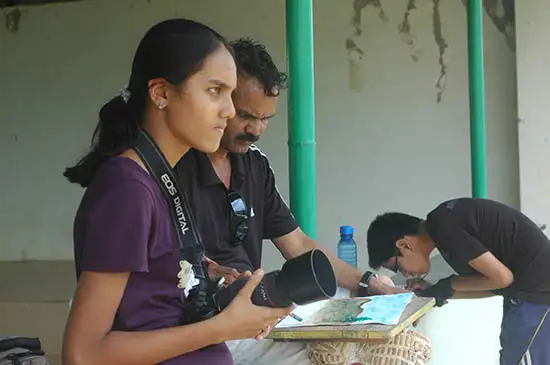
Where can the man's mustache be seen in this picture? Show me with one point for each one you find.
(248, 137)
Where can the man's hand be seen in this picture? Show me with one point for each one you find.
(385, 280)
(228, 273)
(382, 285)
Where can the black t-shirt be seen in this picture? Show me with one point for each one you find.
(253, 179)
(463, 229)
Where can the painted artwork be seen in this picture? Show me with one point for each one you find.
(381, 309)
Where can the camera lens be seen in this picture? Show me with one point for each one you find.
(309, 277)
(303, 279)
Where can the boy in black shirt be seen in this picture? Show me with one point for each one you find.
(494, 248)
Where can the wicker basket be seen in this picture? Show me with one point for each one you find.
(407, 348)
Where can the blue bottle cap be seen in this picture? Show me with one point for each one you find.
(346, 230)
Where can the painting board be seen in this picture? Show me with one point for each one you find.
(416, 308)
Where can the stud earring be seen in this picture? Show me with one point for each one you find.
(161, 104)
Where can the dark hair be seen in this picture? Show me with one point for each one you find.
(174, 50)
(384, 231)
(253, 60)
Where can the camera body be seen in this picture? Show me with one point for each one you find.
(303, 279)
(200, 304)
(210, 297)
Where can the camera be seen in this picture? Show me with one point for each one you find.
(304, 279)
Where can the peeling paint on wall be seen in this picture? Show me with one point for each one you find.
(501, 12)
(442, 46)
(359, 5)
(12, 20)
(356, 67)
(404, 29)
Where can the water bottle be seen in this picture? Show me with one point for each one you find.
(347, 248)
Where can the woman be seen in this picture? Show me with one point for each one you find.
(127, 307)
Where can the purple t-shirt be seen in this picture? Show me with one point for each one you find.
(123, 225)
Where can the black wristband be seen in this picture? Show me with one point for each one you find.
(441, 291)
(364, 283)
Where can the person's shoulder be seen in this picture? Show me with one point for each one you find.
(121, 175)
(453, 204)
(445, 208)
(464, 209)
(489, 204)
(256, 157)
(122, 168)
(471, 205)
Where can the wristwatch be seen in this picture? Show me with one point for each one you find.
(364, 283)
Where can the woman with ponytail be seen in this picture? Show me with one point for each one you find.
(128, 307)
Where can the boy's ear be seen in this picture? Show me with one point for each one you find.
(403, 244)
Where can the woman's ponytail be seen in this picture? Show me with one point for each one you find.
(115, 133)
(173, 50)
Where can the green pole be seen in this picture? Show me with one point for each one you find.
(478, 152)
(301, 114)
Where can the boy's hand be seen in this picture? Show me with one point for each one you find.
(417, 284)
(441, 291)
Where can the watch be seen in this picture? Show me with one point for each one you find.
(364, 283)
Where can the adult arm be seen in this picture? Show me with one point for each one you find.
(89, 339)
(283, 230)
(297, 242)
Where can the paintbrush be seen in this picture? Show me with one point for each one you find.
(296, 317)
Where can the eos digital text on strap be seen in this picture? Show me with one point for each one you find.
(189, 240)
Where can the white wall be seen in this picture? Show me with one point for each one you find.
(533, 73)
(390, 146)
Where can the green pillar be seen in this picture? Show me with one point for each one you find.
(301, 114)
(477, 99)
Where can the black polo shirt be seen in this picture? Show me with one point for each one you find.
(253, 179)
(463, 229)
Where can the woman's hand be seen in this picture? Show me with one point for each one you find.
(247, 320)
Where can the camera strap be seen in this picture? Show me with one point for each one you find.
(189, 239)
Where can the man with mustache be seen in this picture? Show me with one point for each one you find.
(236, 204)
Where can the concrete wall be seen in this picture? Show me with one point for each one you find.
(533, 73)
(384, 142)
